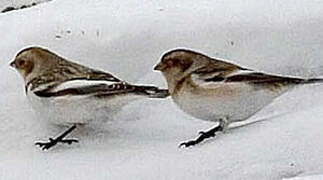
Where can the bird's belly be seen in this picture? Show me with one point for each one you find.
(241, 103)
(79, 110)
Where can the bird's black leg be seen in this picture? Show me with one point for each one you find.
(60, 139)
(202, 136)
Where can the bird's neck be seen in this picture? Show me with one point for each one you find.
(174, 85)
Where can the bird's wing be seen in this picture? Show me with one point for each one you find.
(216, 71)
(262, 78)
(66, 72)
(76, 71)
(99, 89)
(245, 76)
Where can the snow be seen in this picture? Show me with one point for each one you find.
(312, 177)
(127, 38)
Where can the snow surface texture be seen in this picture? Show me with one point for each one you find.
(127, 38)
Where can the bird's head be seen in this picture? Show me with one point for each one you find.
(32, 61)
(178, 64)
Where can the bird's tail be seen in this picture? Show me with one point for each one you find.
(152, 91)
(313, 80)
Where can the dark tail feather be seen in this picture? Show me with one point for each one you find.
(152, 91)
(313, 80)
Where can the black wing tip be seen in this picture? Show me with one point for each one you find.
(313, 80)
(160, 93)
(153, 92)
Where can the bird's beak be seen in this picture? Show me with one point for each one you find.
(159, 67)
(12, 64)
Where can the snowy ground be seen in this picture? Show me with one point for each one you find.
(127, 38)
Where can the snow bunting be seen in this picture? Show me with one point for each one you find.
(216, 90)
(64, 92)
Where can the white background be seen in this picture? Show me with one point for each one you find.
(127, 38)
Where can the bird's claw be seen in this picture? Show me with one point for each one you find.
(46, 145)
(52, 142)
(188, 144)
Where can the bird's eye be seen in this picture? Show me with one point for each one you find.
(170, 62)
(21, 63)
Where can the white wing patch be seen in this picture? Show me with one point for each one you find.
(81, 83)
(241, 72)
(39, 88)
(215, 79)
(201, 81)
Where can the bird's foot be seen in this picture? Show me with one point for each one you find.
(60, 139)
(188, 143)
(202, 136)
(52, 142)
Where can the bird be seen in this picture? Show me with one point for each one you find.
(216, 90)
(63, 92)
